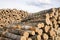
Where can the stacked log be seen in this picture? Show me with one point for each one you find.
(18, 25)
(11, 16)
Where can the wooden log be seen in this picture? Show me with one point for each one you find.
(22, 32)
(39, 31)
(2, 38)
(23, 38)
(40, 25)
(38, 37)
(29, 39)
(17, 26)
(52, 34)
(14, 31)
(45, 36)
(19, 32)
(47, 28)
(26, 34)
(10, 35)
(48, 22)
(21, 26)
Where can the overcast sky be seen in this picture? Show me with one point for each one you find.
(29, 5)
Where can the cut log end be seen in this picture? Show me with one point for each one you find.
(23, 38)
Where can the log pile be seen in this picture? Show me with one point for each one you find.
(11, 16)
(19, 25)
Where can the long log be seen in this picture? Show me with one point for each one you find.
(22, 32)
(2, 38)
(9, 35)
(19, 32)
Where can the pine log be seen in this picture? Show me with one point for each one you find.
(38, 37)
(45, 36)
(9, 35)
(47, 28)
(40, 25)
(2, 38)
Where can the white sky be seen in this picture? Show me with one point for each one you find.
(29, 5)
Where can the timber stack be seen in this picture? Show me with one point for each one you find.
(20, 25)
